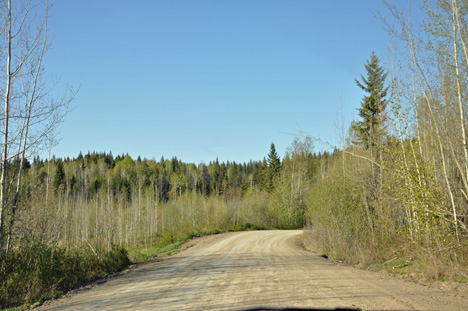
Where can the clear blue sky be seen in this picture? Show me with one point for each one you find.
(207, 79)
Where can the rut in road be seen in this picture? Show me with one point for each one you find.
(243, 270)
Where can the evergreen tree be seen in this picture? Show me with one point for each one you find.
(274, 168)
(373, 103)
(59, 177)
(204, 179)
(274, 162)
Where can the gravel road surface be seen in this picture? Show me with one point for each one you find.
(242, 270)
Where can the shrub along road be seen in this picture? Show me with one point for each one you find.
(242, 270)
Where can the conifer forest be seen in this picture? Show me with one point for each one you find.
(393, 193)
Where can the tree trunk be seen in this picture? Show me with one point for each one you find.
(4, 158)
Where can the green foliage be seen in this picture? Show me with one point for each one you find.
(373, 104)
(421, 199)
(274, 169)
(287, 206)
(274, 162)
(168, 179)
(39, 271)
(166, 239)
(59, 176)
(337, 217)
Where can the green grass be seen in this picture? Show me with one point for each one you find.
(399, 267)
(166, 245)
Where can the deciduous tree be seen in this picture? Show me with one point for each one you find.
(30, 115)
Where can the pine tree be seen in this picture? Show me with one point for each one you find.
(274, 168)
(273, 160)
(373, 104)
(59, 177)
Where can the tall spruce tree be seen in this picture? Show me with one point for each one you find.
(369, 129)
(274, 167)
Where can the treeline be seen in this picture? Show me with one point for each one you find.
(169, 179)
(127, 202)
(396, 193)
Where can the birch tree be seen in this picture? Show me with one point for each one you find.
(30, 112)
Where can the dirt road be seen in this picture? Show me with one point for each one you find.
(242, 270)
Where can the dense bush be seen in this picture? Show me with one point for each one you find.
(39, 271)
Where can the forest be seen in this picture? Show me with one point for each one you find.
(117, 205)
(126, 202)
(393, 195)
